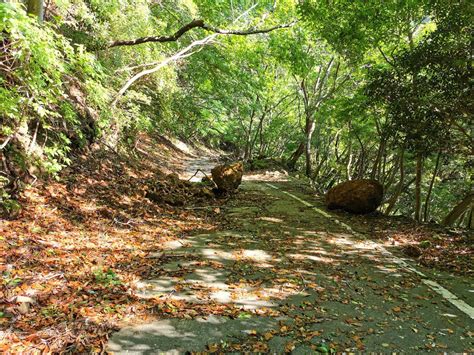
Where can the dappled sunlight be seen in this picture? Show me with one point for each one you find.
(255, 255)
(177, 335)
(389, 270)
(321, 259)
(144, 263)
(82, 247)
(268, 176)
(173, 244)
(314, 233)
(216, 254)
(270, 219)
(213, 177)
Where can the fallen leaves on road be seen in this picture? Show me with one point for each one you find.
(69, 264)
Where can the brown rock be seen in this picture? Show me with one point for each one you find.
(356, 196)
(412, 250)
(229, 176)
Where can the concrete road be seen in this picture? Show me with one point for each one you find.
(299, 280)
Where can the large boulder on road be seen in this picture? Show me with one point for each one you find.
(356, 196)
(228, 176)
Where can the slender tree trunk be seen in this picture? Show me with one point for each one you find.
(459, 210)
(360, 162)
(461, 219)
(318, 168)
(257, 132)
(470, 222)
(295, 156)
(387, 183)
(261, 149)
(430, 188)
(36, 8)
(349, 162)
(376, 166)
(249, 139)
(310, 125)
(393, 200)
(419, 174)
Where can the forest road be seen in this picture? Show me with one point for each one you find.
(282, 276)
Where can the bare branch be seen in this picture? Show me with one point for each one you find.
(4, 144)
(179, 55)
(186, 52)
(161, 39)
(247, 32)
(195, 24)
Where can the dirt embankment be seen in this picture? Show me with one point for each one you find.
(69, 261)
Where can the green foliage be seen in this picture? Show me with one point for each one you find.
(355, 27)
(107, 277)
(396, 78)
(413, 93)
(34, 92)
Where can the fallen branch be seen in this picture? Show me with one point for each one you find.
(304, 282)
(129, 223)
(199, 170)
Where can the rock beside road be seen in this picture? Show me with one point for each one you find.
(356, 196)
(228, 176)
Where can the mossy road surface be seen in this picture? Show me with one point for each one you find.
(282, 277)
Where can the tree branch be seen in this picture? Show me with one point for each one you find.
(195, 24)
(185, 52)
(249, 31)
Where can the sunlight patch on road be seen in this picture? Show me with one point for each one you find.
(433, 285)
(274, 176)
(217, 254)
(321, 259)
(256, 255)
(270, 219)
(173, 244)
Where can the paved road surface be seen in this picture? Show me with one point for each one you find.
(302, 283)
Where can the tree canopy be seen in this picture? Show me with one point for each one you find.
(337, 90)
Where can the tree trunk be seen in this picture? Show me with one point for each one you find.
(310, 125)
(419, 173)
(459, 209)
(36, 8)
(249, 139)
(470, 222)
(396, 195)
(318, 168)
(376, 167)
(430, 188)
(349, 164)
(387, 183)
(257, 132)
(295, 156)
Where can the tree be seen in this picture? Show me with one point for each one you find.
(417, 69)
(426, 90)
(36, 8)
